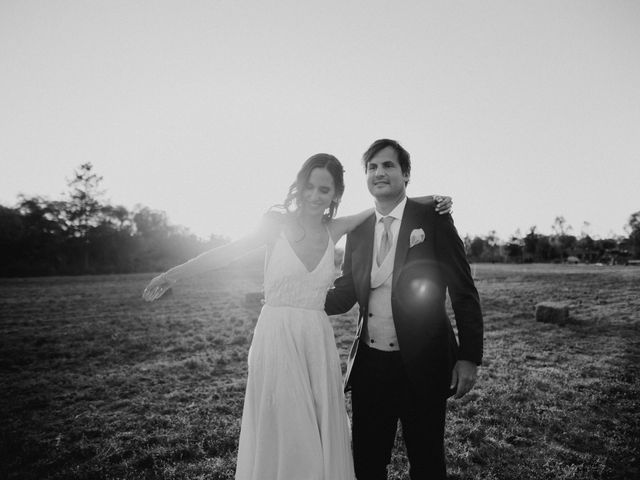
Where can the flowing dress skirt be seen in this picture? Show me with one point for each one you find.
(294, 424)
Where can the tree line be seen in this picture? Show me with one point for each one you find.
(559, 247)
(82, 234)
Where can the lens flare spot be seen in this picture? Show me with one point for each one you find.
(419, 289)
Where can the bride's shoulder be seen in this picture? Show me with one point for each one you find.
(273, 222)
(274, 217)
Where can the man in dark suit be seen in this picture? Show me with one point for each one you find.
(405, 361)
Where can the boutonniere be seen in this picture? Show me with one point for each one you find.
(416, 237)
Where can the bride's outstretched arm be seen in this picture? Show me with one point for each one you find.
(213, 259)
(343, 225)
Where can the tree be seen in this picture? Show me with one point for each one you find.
(531, 244)
(633, 226)
(85, 208)
(544, 249)
(562, 243)
(493, 246)
(560, 226)
(476, 248)
(151, 223)
(514, 248)
(42, 237)
(11, 233)
(586, 248)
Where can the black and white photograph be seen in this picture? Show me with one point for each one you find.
(337, 240)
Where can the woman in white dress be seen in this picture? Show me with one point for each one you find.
(294, 422)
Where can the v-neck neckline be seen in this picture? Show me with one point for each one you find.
(284, 236)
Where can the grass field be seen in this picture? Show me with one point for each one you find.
(97, 383)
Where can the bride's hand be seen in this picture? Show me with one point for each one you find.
(444, 204)
(157, 287)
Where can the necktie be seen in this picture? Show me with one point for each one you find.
(386, 240)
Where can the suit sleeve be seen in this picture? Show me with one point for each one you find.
(342, 297)
(465, 300)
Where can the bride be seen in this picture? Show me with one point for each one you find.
(294, 421)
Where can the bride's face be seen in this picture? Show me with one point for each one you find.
(318, 193)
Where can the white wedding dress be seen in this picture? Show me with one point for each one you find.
(294, 423)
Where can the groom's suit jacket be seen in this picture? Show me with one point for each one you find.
(422, 275)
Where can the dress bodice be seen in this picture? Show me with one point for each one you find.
(287, 282)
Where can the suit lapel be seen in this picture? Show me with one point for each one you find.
(362, 259)
(410, 219)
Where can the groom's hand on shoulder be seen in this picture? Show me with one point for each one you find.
(463, 377)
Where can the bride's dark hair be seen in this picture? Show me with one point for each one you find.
(319, 160)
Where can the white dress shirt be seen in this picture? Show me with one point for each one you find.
(381, 332)
(396, 213)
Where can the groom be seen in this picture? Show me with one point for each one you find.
(405, 360)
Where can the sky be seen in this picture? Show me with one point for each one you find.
(522, 111)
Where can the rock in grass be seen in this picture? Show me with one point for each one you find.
(552, 312)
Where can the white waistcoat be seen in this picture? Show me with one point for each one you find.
(381, 332)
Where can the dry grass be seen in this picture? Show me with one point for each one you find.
(98, 384)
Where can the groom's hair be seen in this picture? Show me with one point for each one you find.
(404, 158)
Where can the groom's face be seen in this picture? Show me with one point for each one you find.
(385, 178)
